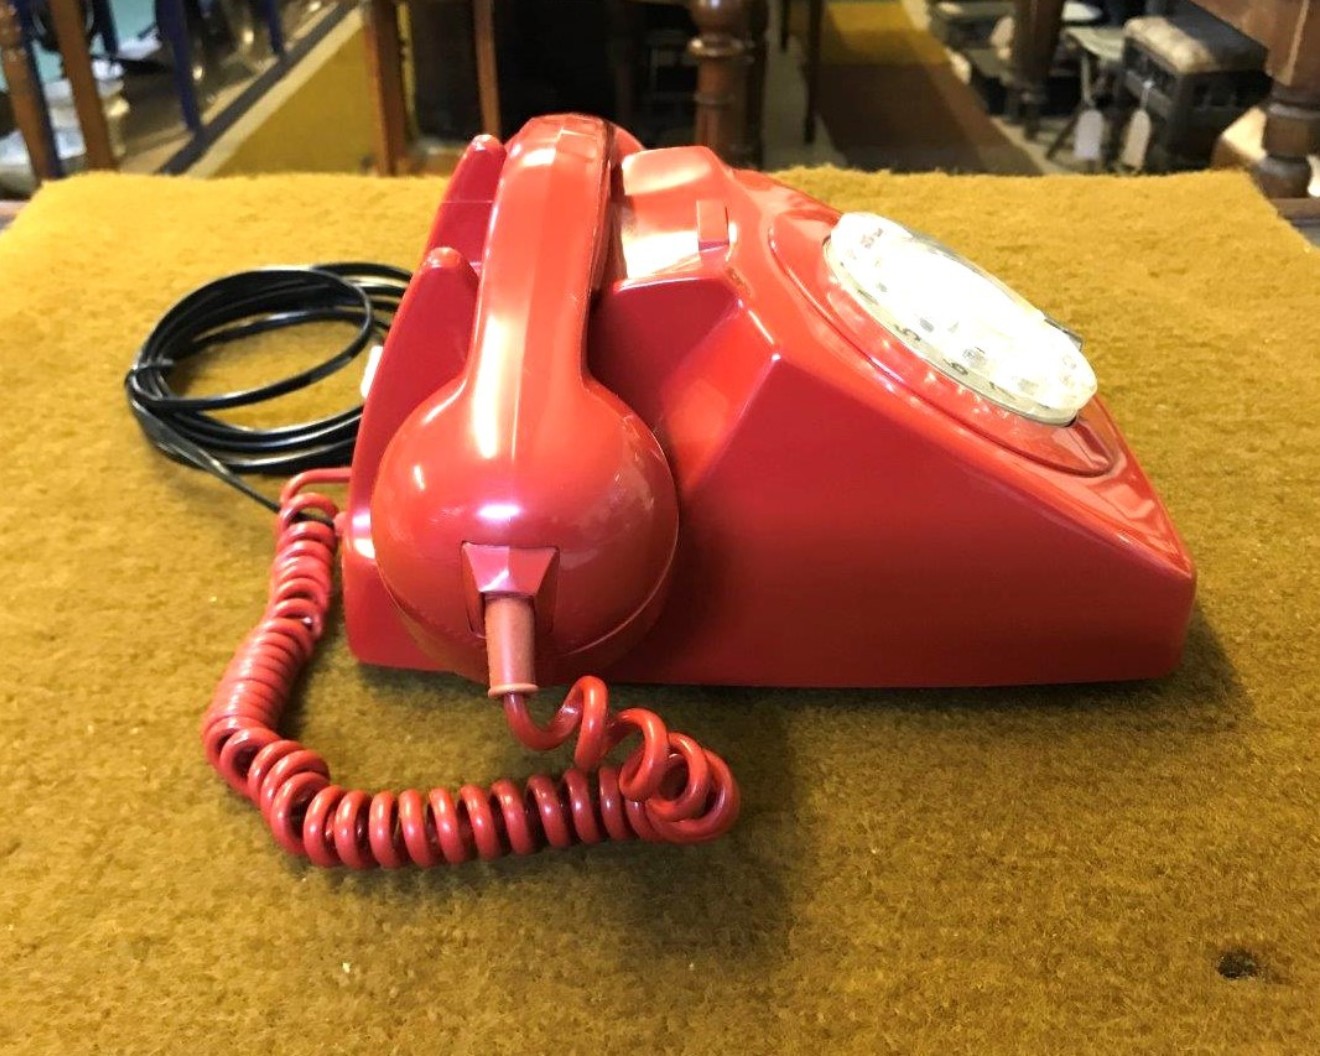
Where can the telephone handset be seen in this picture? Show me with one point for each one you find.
(524, 475)
(645, 415)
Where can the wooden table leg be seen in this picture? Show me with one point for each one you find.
(1292, 133)
(721, 52)
(25, 95)
(488, 81)
(1035, 37)
(380, 26)
(68, 19)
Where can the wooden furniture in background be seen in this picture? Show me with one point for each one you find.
(384, 52)
(729, 49)
(76, 58)
(1195, 75)
(1099, 51)
(1290, 32)
(1288, 29)
(1036, 25)
(380, 23)
(25, 92)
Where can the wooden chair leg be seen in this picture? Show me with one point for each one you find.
(380, 25)
(25, 95)
(488, 81)
(68, 19)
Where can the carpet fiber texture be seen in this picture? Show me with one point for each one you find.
(1101, 869)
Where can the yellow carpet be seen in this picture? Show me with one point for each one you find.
(891, 100)
(869, 33)
(1043, 871)
(325, 125)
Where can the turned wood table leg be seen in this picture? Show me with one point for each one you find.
(25, 95)
(1292, 133)
(1035, 38)
(720, 49)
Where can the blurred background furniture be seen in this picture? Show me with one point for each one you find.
(1287, 30)
(20, 71)
(85, 95)
(392, 152)
(1099, 52)
(728, 48)
(815, 17)
(1290, 31)
(30, 110)
(959, 24)
(985, 33)
(1194, 75)
(1035, 44)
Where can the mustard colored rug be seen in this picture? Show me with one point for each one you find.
(866, 32)
(320, 122)
(891, 99)
(1103, 869)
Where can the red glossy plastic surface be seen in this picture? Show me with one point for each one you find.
(705, 463)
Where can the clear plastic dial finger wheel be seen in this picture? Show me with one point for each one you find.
(961, 320)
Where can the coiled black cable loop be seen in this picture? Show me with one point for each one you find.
(244, 305)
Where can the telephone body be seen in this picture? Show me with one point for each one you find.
(627, 387)
(642, 415)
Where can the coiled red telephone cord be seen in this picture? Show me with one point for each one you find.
(668, 788)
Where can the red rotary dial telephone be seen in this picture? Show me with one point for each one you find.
(643, 415)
